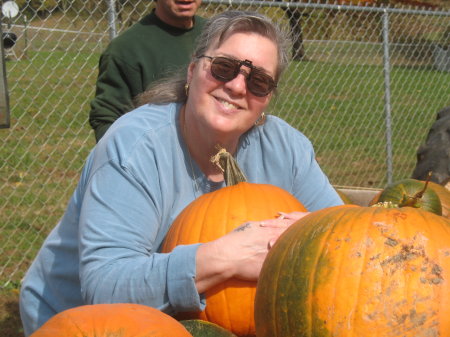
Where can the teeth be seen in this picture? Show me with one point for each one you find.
(228, 105)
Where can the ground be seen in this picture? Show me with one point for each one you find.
(10, 325)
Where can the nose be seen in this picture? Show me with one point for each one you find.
(238, 85)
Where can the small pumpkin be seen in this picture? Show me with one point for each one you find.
(444, 197)
(112, 320)
(357, 271)
(212, 215)
(411, 193)
(200, 328)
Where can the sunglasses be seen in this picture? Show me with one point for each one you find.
(225, 69)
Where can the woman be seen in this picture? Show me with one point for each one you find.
(155, 160)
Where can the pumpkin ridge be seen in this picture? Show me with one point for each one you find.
(385, 282)
(315, 274)
(271, 301)
(279, 284)
(436, 264)
(373, 216)
(236, 201)
(364, 262)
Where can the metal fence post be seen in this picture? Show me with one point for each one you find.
(4, 94)
(387, 96)
(112, 19)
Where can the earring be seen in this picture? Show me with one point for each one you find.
(261, 120)
(186, 89)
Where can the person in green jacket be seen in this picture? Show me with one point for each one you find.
(161, 42)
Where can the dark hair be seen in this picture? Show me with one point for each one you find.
(216, 30)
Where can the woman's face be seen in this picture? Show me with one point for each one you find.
(229, 108)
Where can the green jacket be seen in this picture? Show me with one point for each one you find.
(142, 54)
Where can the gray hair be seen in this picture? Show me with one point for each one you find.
(216, 30)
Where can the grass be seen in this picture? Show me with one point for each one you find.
(43, 154)
(338, 102)
(346, 119)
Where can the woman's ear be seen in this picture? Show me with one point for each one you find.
(190, 71)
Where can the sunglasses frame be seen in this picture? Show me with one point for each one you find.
(238, 64)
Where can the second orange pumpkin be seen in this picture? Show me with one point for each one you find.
(231, 304)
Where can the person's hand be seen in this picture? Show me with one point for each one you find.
(294, 216)
(241, 252)
(287, 218)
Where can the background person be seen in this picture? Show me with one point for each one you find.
(162, 41)
(434, 154)
(155, 160)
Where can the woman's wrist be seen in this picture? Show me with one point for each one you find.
(213, 265)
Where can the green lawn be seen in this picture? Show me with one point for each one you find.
(345, 118)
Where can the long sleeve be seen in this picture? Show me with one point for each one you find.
(119, 262)
(117, 84)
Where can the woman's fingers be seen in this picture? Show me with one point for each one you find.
(292, 215)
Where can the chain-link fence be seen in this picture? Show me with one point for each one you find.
(365, 86)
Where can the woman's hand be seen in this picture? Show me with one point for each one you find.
(240, 253)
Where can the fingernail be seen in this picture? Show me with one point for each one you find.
(282, 215)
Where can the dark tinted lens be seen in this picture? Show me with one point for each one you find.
(224, 69)
(260, 84)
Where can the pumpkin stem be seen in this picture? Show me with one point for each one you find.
(412, 201)
(232, 173)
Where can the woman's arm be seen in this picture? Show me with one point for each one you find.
(119, 224)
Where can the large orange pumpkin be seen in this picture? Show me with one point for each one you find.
(358, 271)
(112, 320)
(212, 215)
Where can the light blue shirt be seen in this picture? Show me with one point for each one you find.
(134, 183)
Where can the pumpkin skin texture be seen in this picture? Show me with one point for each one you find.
(199, 328)
(212, 215)
(400, 190)
(357, 271)
(112, 320)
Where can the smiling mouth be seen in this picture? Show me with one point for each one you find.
(227, 105)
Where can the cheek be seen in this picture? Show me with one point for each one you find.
(201, 80)
(257, 106)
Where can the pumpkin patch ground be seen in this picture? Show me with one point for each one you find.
(10, 324)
